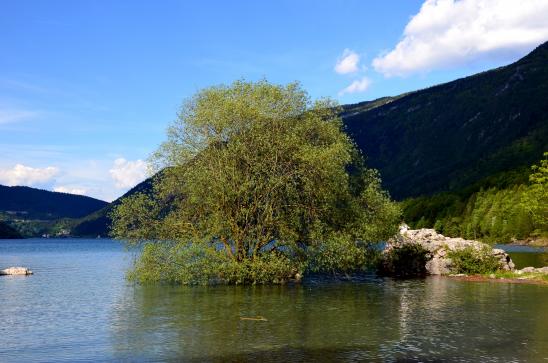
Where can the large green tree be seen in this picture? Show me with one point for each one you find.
(259, 183)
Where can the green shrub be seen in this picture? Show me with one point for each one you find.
(176, 263)
(408, 260)
(341, 254)
(470, 260)
(198, 264)
(270, 268)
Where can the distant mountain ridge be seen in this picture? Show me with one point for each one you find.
(42, 204)
(32, 212)
(454, 134)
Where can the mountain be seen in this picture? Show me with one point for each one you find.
(98, 223)
(31, 203)
(33, 212)
(452, 135)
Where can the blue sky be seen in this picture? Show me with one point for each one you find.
(87, 88)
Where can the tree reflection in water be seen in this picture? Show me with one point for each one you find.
(379, 319)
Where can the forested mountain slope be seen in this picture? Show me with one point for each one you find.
(452, 135)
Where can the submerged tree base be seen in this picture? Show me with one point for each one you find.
(197, 264)
(189, 264)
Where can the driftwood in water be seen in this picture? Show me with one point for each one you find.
(256, 318)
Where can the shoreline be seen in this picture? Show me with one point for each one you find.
(539, 242)
(508, 280)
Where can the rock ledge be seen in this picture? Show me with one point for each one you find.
(438, 245)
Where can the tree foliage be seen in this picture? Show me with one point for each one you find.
(536, 198)
(7, 231)
(470, 260)
(260, 177)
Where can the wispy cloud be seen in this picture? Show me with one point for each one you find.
(348, 62)
(70, 190)
(357, 86)
(127, 174)
(26, 175)
(449, 33)
(13, 84)
(8, 115)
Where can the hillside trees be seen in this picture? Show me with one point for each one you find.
(497, 213)
(536, 198)
(260, 185)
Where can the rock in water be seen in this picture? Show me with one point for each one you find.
(16, 271)
(438, 245)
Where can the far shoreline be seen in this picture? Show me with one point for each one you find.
(529, 243)
(482, 278)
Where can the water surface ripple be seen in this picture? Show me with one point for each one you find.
(78, 308)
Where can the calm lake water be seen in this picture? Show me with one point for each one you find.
(524, 256)
(78, 307)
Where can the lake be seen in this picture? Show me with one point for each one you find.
(524, 256)
(78, 307)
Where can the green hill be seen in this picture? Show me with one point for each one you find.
(32, 212)
(452, 135)
(31, 203)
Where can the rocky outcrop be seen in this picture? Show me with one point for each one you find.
(16, 271)
(439, 246)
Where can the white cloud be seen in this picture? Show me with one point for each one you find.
(348, 62)
(14, 115)
(26, 175)
(357, 86)
(449, 33)
(127, 174)
(70, 190)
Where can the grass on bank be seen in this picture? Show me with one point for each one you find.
(531, 276)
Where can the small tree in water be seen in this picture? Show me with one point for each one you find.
(258, 183)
